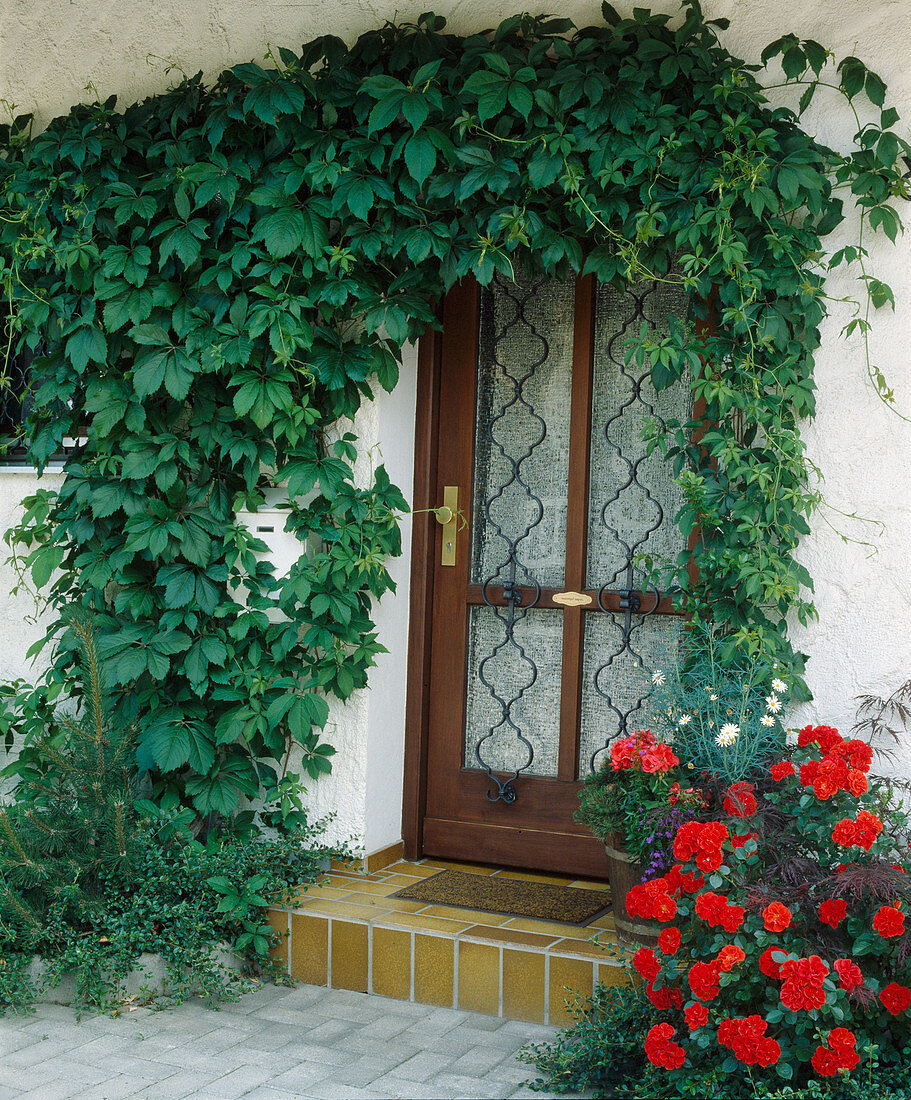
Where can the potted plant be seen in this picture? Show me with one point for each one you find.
(634, 803)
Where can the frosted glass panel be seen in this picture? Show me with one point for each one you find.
(633, 498)
(523, 689)
(615, 678)
(522, 442)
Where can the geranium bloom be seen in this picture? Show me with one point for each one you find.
(665, 998)
(832, 911)
(626, 752)
(729, 956)
(659, 759)
(703, 979)
(660, 1050)
(695, 1015)
(646, 963)
(838, 1054)
(857, 783)
(701, 842)
(802, 987)
(717, 911)
(895, 998)
(849, 974)
(776, 917)
(889, 921)
(860, 833)
(781, 770)
(669, 941)
(859, 755)
(740, 800)
(767, 964)
(746, 1040)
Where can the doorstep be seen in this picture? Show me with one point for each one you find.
(346, 931)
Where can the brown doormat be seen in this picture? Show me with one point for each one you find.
(501, 894)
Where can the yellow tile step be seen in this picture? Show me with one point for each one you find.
(350, 934)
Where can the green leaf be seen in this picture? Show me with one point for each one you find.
(420, 156)
(86, 344)
(282, 231)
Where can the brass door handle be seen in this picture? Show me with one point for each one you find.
(447, 517)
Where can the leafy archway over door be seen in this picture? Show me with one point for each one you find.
(214, 277)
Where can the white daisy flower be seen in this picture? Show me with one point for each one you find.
(728, 734)
(773, 703)
(684, 720)
(767, 720)
(779, 686)
(713, 698)
(658, 677)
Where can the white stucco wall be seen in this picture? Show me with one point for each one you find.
(51, 52)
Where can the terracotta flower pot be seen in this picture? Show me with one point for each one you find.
(624, 873)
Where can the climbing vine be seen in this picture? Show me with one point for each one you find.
(213, 279)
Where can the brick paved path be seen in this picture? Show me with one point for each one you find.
(274, 1044)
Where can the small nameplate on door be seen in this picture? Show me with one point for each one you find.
(572, 599)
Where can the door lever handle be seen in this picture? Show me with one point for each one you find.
(447, 517)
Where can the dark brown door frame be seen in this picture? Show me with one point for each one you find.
(423, 547)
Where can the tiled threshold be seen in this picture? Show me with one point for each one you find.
(348, 932)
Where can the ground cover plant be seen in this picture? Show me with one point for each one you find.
(213, 280)
(93, 875)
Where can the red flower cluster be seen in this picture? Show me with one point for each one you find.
(843, 766)
(654, 900)
(661, 1050)
(746, 1039)
(776, 917)
(767, 964)
(641, 752)
(645, 962)
(832, 911)
(895, 998)
(849, 975)
(695, 1015)
(703, 979)
(729, 956)
(702, 842)
(740, 800)
(782, 770)
(861, 832)
(889, 921)
(664, 998)
(802, 986)
(838, 1054)
(669, 941)
(718, 912)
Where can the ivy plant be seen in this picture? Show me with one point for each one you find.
(213, 279)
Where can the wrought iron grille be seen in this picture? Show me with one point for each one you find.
(632, 503)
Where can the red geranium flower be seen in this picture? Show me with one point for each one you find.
(660, 1050)
(802, 987)
(664, 998)
(767, 964)
(669, 940)
(740, 800)
(781, 770)
(703, 979)
(849, 975)
(776, 917)
(857, 783)
(646, 963)
(832, 911)
(895, 998)
(859, 755)
(729, 956)
(745, 1038)
(889, 921)
(838, 1054)
(825, 1062)
(695, 1015)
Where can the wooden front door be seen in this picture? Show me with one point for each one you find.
(539, 643)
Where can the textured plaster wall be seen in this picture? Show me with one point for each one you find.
(51, 51)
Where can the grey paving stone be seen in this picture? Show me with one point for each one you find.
(422, 1066)
(52, 1090)
(478, 1062)
(331, 1031)
(7, 1093)
(302, 1077)
(241, 1080)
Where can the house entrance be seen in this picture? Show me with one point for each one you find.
(541, 630)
